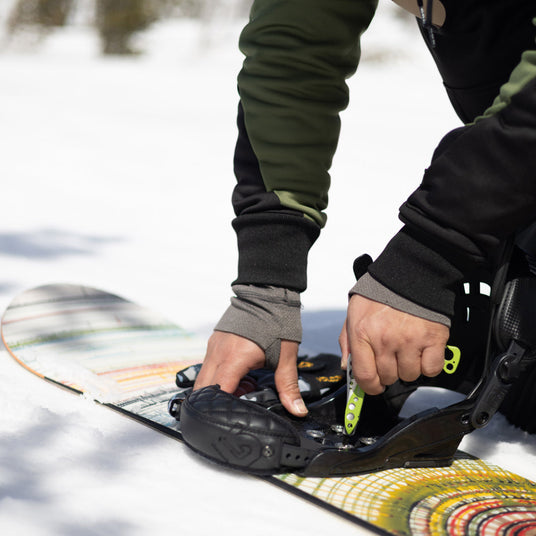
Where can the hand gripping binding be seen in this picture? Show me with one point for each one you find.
(250, 437)
(431, 438)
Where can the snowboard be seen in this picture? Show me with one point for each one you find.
(125, 357)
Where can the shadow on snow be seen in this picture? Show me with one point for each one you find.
(50, 244)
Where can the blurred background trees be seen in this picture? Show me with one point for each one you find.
(45, 13)
(118, 20)
(115, 21)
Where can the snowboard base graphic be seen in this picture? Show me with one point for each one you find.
(126, 357)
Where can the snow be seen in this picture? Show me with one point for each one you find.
(117, 173)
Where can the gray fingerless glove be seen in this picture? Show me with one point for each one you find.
(368, 287)
(264, 315)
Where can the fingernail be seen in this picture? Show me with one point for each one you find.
(299, 406)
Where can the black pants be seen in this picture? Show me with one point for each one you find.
(477, 48)
(475, 52)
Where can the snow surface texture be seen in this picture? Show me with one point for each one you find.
(117, 173)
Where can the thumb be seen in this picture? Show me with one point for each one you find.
(286, 379)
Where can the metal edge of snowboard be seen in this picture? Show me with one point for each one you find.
(34, 372)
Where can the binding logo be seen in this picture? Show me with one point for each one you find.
(243, 448)
(329, 379)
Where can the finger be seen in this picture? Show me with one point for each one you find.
(228, 359)
(387, 367)
(202, 379)
(286, 379)
(207, 372)
(433, 360)
(364, 367)
(226, 375)
(409, 364)
(246, 385)
(343, 343)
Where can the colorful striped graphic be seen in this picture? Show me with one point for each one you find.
(125, 356)
(469, 498)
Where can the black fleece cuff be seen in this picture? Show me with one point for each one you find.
(418, 273)
(273, 249)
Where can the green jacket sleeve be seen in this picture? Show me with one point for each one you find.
(298, 54)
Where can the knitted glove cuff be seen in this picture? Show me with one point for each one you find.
(368, 287)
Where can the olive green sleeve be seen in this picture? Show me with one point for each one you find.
(292, 88)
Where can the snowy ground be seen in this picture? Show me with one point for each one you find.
(117, 173)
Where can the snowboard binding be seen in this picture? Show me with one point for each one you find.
(255, 434)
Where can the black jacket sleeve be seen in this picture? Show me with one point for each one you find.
(479, 190)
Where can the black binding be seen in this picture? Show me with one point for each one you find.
(263, 438)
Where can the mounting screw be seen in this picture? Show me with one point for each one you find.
(316, 434)
(267, 451)
(483, 418)
(337, 428)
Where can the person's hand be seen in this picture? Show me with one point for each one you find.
(230, 357)
(386, 344)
